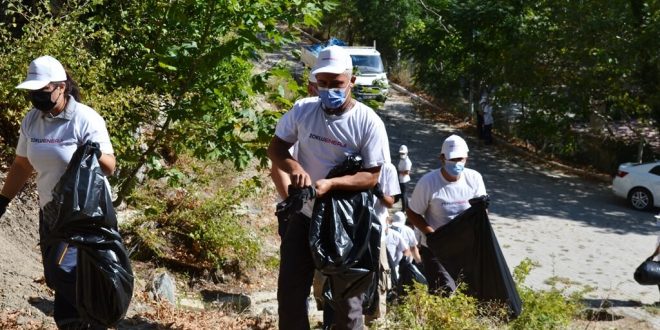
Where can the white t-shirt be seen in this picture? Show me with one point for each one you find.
(396, 244)
(488, 114)
(405, 164)
(390, 186)
(439, 200)
(326, 140)
(49, 142)
(407, 233)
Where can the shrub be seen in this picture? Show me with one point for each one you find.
(199, 227)
(541, 309)
(544, 309)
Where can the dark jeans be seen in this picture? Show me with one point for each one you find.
(404, 200)
(480, 125)
(295, 280)
(436, 274)
(488, 134)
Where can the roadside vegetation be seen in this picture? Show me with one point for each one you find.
(177, 84)
(567, 77)
(200, 224)
(554, 308)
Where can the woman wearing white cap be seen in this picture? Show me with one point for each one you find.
(439, 196)
(50, 133)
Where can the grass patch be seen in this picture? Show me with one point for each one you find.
(202, 227)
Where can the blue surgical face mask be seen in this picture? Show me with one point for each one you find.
(454, 168)
(332, 98)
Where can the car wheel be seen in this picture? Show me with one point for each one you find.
(640, 199)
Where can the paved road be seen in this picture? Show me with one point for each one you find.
(574, 228)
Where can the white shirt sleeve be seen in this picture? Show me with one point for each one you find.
(21, 148)
(481, 187)
(286, 128)
(96, 131)
(375, 148)
(419, 201)
(390, 180)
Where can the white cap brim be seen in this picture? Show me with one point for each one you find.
(33, 84)
(330, 69)
(456, 154)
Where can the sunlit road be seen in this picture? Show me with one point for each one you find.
(577, 231)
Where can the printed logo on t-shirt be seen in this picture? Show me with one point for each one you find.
(52, 141)
(327, 140)
(444, 203)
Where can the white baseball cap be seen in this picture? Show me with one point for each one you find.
(398, 219)
(42, 71)
(454, 147)
(333, 59)
(403, 149)
(311, 78)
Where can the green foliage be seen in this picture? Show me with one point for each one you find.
(168, 76)
(285, 90)
(544, 309)
(570, 60)
(420, 310)
(541, 309)
(196, 230)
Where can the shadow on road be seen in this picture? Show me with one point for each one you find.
(519, 188)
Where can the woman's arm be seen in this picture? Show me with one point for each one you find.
(108, 163)
(19, 172)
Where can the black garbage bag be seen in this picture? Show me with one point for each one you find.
(409, 274)
(469, 245)
(81, 214)
(648, 273)
(344, 238)
(293, 204)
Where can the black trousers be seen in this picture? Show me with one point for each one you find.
(295, 280)
(59, 261)
(488, 134)
(439, 279)
(404, 199)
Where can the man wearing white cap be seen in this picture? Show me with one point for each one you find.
(439, 196)
(327, 129)
(50, 133)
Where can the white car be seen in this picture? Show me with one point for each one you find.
(639, 184)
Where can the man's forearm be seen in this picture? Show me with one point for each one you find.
(418, 221)
(357, 181)
(388, 201)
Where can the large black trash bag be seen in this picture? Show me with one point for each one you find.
(344, 237)
(81, 214)
(469, 245)
(648, 273)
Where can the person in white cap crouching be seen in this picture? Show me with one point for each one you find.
(327, 129)
(438, 197)
(50, 133)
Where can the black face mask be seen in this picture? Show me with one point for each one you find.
(41, 100)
